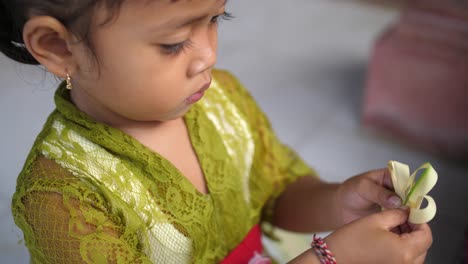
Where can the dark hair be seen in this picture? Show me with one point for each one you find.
(75, 15)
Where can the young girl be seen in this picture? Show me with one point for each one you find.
(152, 156)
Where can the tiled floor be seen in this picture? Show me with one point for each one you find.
(305, 62)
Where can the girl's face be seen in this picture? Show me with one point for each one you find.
(154, 60)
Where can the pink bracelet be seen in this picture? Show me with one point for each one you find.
(321, 249)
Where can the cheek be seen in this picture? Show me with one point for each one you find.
(164, 88)
(87, 68)
(214, 45)
(214, 38)
(140, 75)
(133, 72)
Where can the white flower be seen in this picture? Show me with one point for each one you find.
(412, 192)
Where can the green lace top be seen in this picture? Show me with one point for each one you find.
(89, 193)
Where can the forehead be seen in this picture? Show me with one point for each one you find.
(164, 11)
(141, 17)
(169, 4)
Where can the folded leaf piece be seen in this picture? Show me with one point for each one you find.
(413, 191)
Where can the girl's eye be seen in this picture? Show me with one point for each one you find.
(223, 16)
(175, 48)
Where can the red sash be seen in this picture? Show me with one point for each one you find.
(249, 250)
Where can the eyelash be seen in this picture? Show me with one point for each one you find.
(224, 16)
(174, 49)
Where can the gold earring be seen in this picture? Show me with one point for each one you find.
(69, 84)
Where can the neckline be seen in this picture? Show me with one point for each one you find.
(114, 138)
(194, 134)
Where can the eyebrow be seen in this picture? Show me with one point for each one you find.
(193, 19)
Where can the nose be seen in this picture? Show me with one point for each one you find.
(205, 45)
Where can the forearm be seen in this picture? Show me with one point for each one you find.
(308, 205)
(308, 257)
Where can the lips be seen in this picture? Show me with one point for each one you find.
(198, 95)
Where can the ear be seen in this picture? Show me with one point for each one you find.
(48, 41)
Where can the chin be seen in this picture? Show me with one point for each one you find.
(174, 116)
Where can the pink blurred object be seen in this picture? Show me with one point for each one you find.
(417, 86)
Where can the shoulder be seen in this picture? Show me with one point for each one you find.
(226, 80)
(224, 75)
(231, 85)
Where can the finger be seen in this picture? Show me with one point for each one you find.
(405, 228)
(420, 259)
(381, 177)
(387, 179)
(420, 239)
(396, 230)
(376, 193)
(392, 218)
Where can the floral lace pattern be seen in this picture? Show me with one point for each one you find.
(90, 193)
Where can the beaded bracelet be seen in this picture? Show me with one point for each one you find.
(321, 249)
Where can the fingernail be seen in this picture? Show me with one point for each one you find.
(395, 201)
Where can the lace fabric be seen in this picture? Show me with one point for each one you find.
(89, 193)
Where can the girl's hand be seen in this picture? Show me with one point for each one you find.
(365, 194)
(369, 240)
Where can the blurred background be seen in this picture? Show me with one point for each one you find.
(310, 65)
